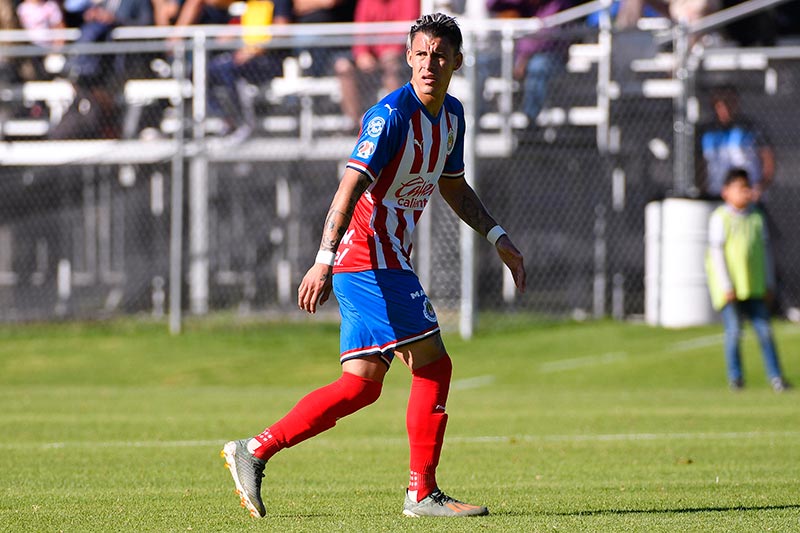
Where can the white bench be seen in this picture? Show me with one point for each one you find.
(139, 93)
(57, 95)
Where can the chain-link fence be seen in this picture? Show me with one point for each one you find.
(139, 172)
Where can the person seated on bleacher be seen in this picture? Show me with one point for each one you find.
(253, 63)
(98, 77)
(679, 11)
(191, 12)
(376, 69)
(13, 70)
(38, 16)
(331, 60)
(537, 57)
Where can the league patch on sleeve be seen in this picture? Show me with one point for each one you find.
(365, 149)
(375, 126)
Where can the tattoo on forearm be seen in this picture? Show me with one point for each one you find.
(337, 221)
(474, 214)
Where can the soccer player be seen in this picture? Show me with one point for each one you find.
(410, 142)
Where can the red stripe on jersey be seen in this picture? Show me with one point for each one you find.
(381, 213)
(401, 227)
(389, 171)
(417, 216)
(436, 136)
(389, 255)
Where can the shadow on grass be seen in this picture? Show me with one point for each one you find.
(596, 512)
(717, 509)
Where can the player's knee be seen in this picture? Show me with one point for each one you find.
(360, 390)
(372, 391)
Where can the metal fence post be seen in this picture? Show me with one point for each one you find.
(176, 201)
(682, 151)
(198, 189)
(466, 322)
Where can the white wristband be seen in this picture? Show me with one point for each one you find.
(325, 257)
(494, 234)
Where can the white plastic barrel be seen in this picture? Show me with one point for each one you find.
(676, 241)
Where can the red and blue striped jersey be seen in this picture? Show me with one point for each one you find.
(404, 151)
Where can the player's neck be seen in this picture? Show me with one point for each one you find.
(432, 103)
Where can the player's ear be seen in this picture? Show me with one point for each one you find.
(459, 60)
(408, 57)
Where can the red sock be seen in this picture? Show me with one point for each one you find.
(426, 421)
(317, 412)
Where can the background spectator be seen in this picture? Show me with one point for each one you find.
(36, 15)
(740, 276)
(98, 77)
(679, 11)
(733, 140)
(253, 62)
(538, 57)
(329, 60)
(194, 11)
(378, 69)
(12, 70)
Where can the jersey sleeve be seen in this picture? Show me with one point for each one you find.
(378, 142)
(454, 165)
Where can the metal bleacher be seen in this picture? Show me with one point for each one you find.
(303, 118)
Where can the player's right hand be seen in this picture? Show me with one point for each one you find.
(315, 289)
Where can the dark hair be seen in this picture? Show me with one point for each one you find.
(437, 25)
(724, 93)
(736, 174)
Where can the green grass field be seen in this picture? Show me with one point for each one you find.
(556, 427)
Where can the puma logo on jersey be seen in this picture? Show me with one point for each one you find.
(390, 108)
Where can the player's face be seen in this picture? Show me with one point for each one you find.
(433, 61)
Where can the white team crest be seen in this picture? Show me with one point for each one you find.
(365, 149)
(375, 126)
(427, 310)
(451, 140)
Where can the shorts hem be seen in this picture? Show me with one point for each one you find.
(384, 358)
(359, 353)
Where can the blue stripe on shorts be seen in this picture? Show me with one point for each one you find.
(381, 309)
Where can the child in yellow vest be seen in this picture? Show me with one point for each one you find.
(740, 276)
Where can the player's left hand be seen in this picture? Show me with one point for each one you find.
(512, 258)
(315, 289)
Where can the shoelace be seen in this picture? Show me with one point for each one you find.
(258, 468)
(441, 498)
